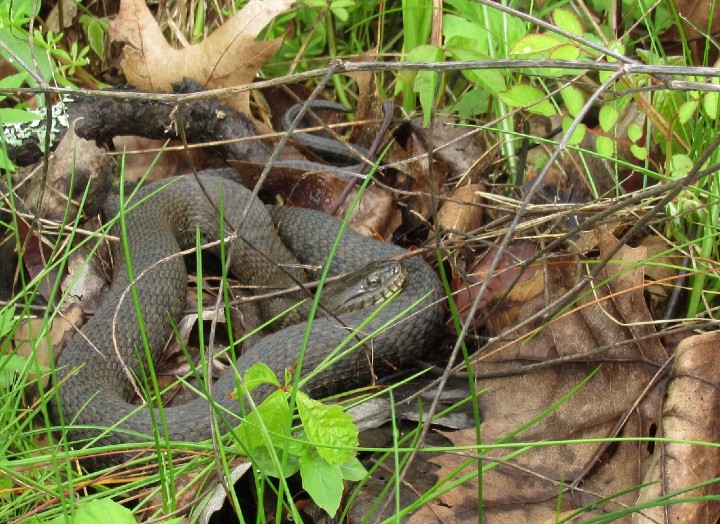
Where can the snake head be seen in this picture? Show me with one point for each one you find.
(370, 285)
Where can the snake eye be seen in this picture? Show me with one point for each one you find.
(373, 280)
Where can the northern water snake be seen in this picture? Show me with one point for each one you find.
(94, 386)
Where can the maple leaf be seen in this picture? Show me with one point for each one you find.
(230, 56)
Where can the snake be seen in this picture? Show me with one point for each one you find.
(267, 246)
(326, 147)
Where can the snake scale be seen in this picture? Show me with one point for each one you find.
(94, 385)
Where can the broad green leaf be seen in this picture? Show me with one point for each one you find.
(608, 118)
(473, 102)
(578, 133)
(96, 29)
(566, 52)
(489, 21)
(529, 97)
(417, 21)
(651, 57)
(260, 374)
(10, 115)
(275, 414)
(426, 85)
(687, 110)
(680, 165)
(604, 75)
(536, 43)
(426, 82)
(13, 81)
(492, 80)
(96, 32)
(574, 99)
(289, 377)
(641, 153)
(322, 481)
(710, 104)
(263, 460)
(5, 482)
(10, 367)
(328, 426)
(299, 444)
(5, 162)
(15, 365)
(541, 160)
(353, 470)
(567, 20)
(6, 485)
(461, 29)
(99, 510)
(30, 55)
(605, 146)
(341, 8)
(7, 320)
(618, 47)
(634, 132)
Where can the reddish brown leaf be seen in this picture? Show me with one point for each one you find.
(375, 215)
(529, 284)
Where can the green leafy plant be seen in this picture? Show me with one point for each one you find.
(99, 510)
(416, 15)
(309, 32)
(96, 30)
(11, 364)
(470, 32)
(13, 115)
(322, 448)
(41, 53)
(670, 121)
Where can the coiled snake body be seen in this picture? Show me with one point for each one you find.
(95, 389)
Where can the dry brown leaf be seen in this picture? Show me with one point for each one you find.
(414, 178)
(87, 273)
(461, 212)
(141, 153)
(467, 153)
(230, 56)
(63, 327)
(695, 15)
(76, 165)
(663, 270)
(77, 171)
(460, 504)
(691, 412)
(613, 403)
(370, 104)
(37, 250)
(69, 9)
